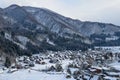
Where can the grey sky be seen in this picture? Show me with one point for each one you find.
(86, 10)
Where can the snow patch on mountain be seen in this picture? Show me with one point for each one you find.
(23, 39)
(8, 36)
(50, 42)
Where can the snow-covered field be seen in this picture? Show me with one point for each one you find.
(32, 75)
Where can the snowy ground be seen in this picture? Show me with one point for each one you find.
(115, 65)
(35, 75)
(32, 75)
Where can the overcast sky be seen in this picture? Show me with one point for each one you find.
(107, 11)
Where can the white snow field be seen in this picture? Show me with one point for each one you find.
(35, 74)
(32, 75)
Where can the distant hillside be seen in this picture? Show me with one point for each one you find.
(28, 30)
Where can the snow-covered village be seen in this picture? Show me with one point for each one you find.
(66, 65)
(59, 40)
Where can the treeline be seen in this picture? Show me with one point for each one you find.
(10, 48)
(72, 43)
(100, 39)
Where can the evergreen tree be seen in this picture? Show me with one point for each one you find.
(69, 71)
(7, 62)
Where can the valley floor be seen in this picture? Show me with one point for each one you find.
(37, 73)
(27, 74)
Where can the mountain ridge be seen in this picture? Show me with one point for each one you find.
(31, 30)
